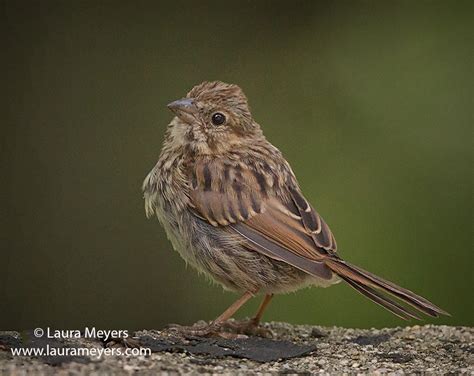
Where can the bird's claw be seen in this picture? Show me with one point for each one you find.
(249, 327)
(228, 329)
(196, 330)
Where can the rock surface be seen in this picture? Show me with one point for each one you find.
(293, 349)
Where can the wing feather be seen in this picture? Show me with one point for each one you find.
(241, 198)
(313, 222)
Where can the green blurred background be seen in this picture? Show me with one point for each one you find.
(371, 102)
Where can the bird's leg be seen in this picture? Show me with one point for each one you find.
(229, 312)
(263, 306)
(251, 326)
(213, 328)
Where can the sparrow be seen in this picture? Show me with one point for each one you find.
(233, 209)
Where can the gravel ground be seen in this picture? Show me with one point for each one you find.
(293, 349)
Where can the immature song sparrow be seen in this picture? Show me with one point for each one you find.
(233, 209)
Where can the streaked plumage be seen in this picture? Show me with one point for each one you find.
(233, 208)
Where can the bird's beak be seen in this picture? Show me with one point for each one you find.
(184, 108)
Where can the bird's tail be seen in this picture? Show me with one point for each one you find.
(382, 292)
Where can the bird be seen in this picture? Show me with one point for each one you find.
(232, 208)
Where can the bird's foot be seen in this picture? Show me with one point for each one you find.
(230, 329)
(250, 327)
(200, 329)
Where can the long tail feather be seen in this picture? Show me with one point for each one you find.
(370, 285)
(385, 302)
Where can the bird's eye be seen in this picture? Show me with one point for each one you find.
(218, 118)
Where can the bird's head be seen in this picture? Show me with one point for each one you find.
(213, 118)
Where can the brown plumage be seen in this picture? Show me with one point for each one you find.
(233, 208)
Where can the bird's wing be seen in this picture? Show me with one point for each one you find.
(270, 216)
(281, 226)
